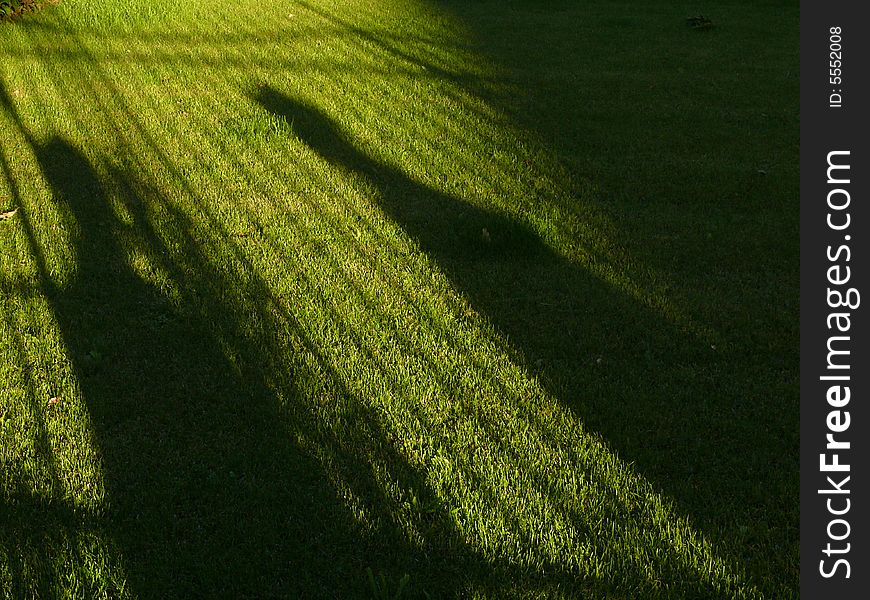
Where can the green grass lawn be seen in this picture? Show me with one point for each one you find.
(501, 296)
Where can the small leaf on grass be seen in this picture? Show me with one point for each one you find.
(53, 400)
(8, 214)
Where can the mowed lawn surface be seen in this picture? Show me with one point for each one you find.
(499, 296)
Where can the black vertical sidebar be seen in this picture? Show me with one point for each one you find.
(835, 363)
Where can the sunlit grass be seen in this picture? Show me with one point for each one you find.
(501, 297)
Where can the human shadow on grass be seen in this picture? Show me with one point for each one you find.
(209, 492)
(705, 416)
(562, 321)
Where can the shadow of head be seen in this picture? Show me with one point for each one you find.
(69, 174)
(444, 225)
(74, 182)
(311, 125)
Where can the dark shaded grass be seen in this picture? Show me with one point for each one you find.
(691, 139)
